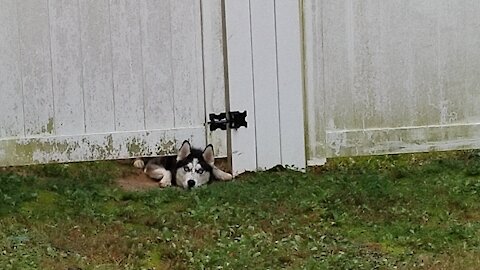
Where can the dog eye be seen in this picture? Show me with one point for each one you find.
(186, 168)
(200, 171)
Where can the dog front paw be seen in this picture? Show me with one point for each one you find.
(138, 163)
(221, 175)
(227, 177)
(164, 184)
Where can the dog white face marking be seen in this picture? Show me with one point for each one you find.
(192, 175)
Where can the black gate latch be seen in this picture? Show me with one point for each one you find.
(234, 120)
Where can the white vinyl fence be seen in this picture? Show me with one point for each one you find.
(386, 76)
(265, 78)
(107, 79)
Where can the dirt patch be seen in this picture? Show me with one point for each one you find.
(136, 181)
(133, 179)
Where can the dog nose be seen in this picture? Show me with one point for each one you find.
(191, 183)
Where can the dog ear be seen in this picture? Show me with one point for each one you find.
(184, 151)
(208, 155)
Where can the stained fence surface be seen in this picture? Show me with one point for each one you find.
(391, 76)
(84, 80)
(104, 79)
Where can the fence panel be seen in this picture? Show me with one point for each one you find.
(391, 76)
(87, 79)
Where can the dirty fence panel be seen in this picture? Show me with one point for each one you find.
(98, 146)
(452, 60)
(35, 62)
(67, 67)
(472, 78)
(396, 76)
(214, 69)
(11, 109)
(314, 101)
(96, 47)
(127, 65)
(403, 140)
(338, 69)
(188, 93)
(426, 96)
(105, 79)
(157, 63)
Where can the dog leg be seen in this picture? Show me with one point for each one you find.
(154, 171)
(159, 173)
(138, 163)
(221, 175)
(166, 180)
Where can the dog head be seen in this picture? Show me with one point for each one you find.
(194, 167)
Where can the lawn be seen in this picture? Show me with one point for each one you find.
(417, 211)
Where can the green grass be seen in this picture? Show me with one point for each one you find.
(406, 211)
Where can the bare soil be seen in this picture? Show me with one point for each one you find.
(136, 181)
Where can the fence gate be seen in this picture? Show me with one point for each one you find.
(264, 55)
(107, 79)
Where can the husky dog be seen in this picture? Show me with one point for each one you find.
(190, 168)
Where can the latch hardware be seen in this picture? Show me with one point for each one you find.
(234, 120)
